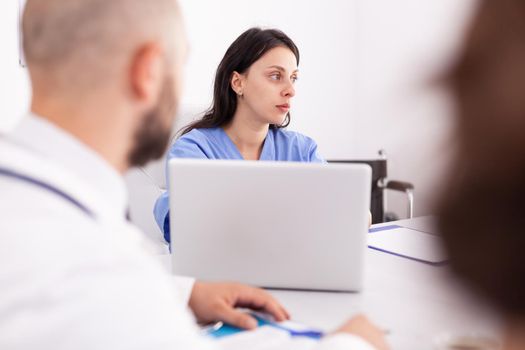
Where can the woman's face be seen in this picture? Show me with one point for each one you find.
(268, 86)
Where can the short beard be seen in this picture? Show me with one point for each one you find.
(152, 137)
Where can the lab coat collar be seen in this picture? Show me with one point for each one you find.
(102, 187)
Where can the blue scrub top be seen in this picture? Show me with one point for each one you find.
(214, 143)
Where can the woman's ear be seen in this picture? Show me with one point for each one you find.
(237, 83)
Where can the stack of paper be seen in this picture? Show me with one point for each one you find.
(407, 243)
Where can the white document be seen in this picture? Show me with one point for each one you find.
(408, 243)
(267, 336)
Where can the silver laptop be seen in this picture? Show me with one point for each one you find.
(270, 224)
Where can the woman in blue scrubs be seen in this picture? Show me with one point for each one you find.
(253, 92)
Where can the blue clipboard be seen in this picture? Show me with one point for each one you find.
(221, 330)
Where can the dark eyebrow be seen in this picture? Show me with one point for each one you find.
(282, 69)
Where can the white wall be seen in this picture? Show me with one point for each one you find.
(365, 69)
(404, 46)
(14, 85)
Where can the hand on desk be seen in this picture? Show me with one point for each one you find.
(362, 327)
(217, 302)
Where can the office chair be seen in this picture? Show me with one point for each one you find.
(380, 183)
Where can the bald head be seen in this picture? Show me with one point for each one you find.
(86, 42)
(107, 71)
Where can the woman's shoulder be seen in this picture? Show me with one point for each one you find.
(201, 134)
(198, 143)
(292, 145)
(292, 137)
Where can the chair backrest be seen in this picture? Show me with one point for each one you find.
(379, 175)
(145, 185)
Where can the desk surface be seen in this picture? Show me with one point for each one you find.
(416, 302)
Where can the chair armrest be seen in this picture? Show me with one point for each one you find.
(407, 188)
(399, 186)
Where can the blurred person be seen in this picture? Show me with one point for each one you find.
(481, 212)
(74, 273)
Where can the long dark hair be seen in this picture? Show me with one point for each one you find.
(242, 53)
(482, 210)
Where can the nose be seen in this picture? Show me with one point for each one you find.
(289, 90)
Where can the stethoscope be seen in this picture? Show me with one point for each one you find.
(47, 187)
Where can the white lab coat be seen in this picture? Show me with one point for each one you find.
(72, 281)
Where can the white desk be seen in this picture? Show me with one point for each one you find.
(414, 301)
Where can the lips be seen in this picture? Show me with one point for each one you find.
(285, 107)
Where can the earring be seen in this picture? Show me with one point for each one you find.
(239, 93)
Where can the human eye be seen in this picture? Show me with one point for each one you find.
(294, 78)
(275, 76)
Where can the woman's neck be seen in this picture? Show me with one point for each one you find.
(247, 135)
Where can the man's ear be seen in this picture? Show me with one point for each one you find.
(237, 83)
(146, 76)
